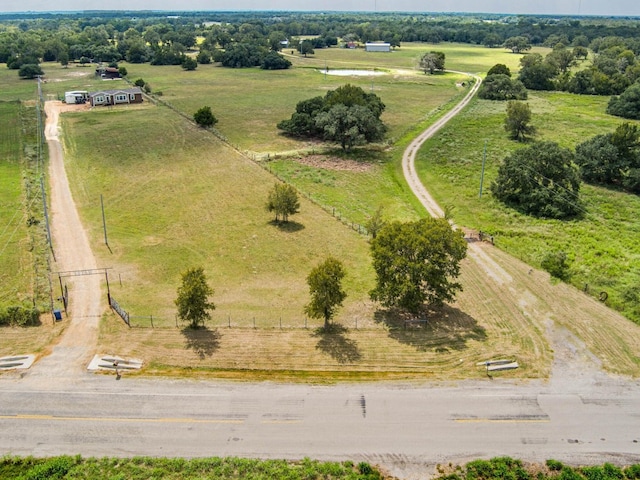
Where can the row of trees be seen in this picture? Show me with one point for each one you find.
(416, 263)
(161, 40)
(347, 115)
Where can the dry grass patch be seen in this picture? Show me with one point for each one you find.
(30, 340)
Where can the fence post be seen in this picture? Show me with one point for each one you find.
(280, 322)
(254, 322)
(151, 321)
(229, 317)
(305, 322)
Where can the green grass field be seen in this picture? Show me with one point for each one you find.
(176, 197)
(212, 214)
(602, 246)
(16, 266)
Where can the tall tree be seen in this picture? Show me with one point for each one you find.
(540, 180)
(417, 263)
(325, 288)
(517, 44)
(432, 61)
(350, 126)
(283, 200)
(193, 298)
(516, 123)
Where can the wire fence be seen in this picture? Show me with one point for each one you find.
(230, 322)
(263, 159)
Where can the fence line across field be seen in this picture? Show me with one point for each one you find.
(154, 321)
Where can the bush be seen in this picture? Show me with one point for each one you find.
(18, 316)
(139, 83)
(51, 469)
(204, 117)
(632, 472)
(556, 264)
(554, 465)
(30, 70)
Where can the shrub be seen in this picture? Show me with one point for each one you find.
(554, 465)
(204, 117)
(556, 264)
(18, 316)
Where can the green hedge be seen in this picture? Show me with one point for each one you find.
(18, 316)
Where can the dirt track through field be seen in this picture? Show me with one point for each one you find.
(72, 353)
(559, 314)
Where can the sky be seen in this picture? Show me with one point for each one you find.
(549, 7)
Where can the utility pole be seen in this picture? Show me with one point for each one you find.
(104, 222)
(484, 158)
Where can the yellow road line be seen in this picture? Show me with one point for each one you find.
(116, 419)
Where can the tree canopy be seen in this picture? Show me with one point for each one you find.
(540, 180)
(417, 263)
(627, 105)
(612, 159)
(501, 87)
(325, 288)
(193, 298)
(432, 61)
(347, 115)
(517, 44)
(274, 61)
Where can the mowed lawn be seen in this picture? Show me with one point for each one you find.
(176, 197)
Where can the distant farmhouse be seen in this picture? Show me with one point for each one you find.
(105, 97)
(377, 47)
(108, 73)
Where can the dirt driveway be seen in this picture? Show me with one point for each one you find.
(76, 346)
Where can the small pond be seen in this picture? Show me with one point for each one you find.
(355, 73)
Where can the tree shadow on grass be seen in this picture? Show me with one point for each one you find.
(289, 226)
(334, 343)
(202, 341)
(440, 329)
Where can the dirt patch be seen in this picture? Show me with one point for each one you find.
(335, 163)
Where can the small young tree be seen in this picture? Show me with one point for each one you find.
(306, 47)
(283, 200)
(193, 298)
(325, 288)
(204, 117)
(375, 223)
(517, 120)
(139, 83)
(189, 63)
(123, 71)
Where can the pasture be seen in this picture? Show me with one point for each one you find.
(601, 245)
(176, 196)
(16, 273)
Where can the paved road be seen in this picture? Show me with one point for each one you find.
(403, 427)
